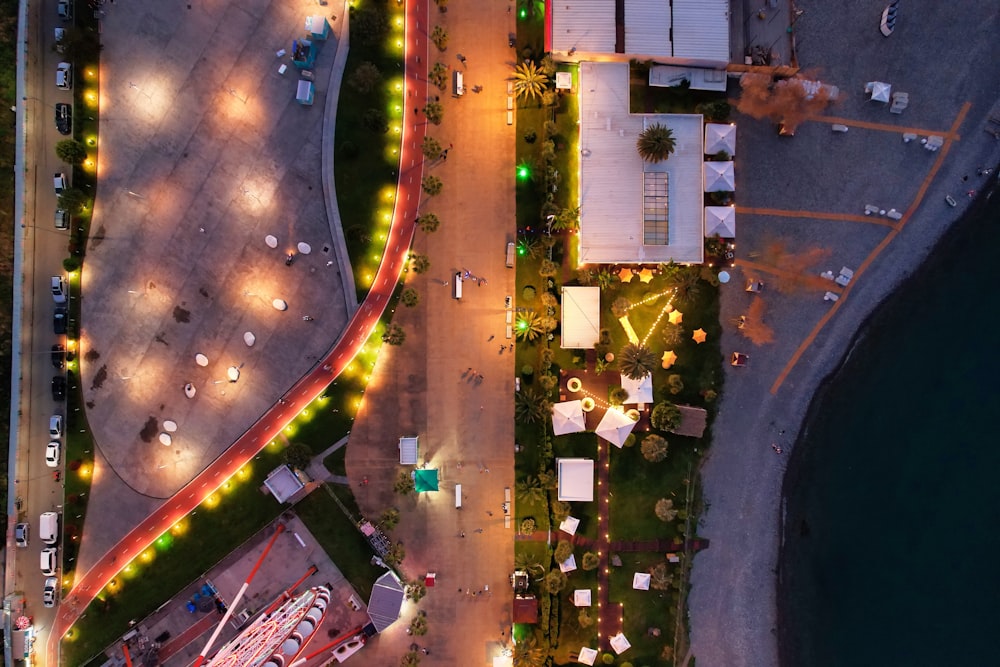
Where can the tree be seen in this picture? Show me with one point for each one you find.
(672, 334)
(687, 283)
(555, 581)
(395, 555)
(404, 483)
(365, 77)
(71, 151)
(665, 509)
(431, 148)
(659, 577)
(527, 653)
(654, 448)
(716, 112)
(665, 416)
(73, 200)
(560, 510)
(434, 112)
(618, 395)
(584, 618)
(528, 326)
(389, 518)
(656, 143)
(591, 561)
(635, 361)
(375, 121)
(410, 659)
(566, 219)
(548, 268)
(530, 406)
(428, 222)
(418, 626)
(530, 490)
(297, 455)
(440, 37)
(529, 562)
(563, 551)
(431, 185)
(548, 66)
(370, 24)
(416, 590)
(394, 335)
(419, 263)
(675, 383)
(409, 297)
(527, 526)
(620, 307)
(529, 80)
(439, 75)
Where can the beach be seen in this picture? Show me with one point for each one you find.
(952, 93)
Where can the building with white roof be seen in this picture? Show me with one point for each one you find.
(673, 32)
(634, 212)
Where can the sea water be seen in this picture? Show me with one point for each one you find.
(891, 550)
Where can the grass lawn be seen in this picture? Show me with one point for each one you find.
(336, 462)
(643, 610)
(571, 635)
(175, 559)
(341, 539)
(636, 485)
(580, 445)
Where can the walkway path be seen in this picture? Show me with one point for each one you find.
(306, 390)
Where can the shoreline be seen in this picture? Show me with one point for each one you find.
(798, 460)
(733, 601)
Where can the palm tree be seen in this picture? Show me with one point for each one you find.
(529, 326)
(394, 335)
(672, 334)
(566, 219)
(530, 490)
(529, 80)
(428, 222)
(528, 561)
(527, 653)
(636, 361)
(654, 448)
(688, 283)
(431, 148)
(530, 406)
(71, 151)
(434, 112)
(431, 185)
(656, 143)
(409, 297)
(665, 509)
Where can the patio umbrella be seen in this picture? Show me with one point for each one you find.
(271, 241)
(567, 417)
(625, 274)
(720, 221)
(645, 275)
(304, 248)
(249, 338)
(668, 358)
(581, 597)
(201, 359)
(615, 427)
(166, 439)
(720, 137)
(699, 336)
(675, 317)
(719, 177)
(425, 480)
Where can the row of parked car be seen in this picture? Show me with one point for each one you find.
(48, 532)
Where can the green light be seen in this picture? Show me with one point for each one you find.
(523, 172)
(521, 251)
(522, 325)
(523, 13)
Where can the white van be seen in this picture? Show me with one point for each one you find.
(456, 286)
(49, 561)
(457, 84)
(511, 251)
(48, 527)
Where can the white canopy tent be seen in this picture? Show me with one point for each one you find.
(581, 597)
(568, 565)
(567, 417)
(569, 525)
(615, 427)
(576, 479)
(408, 446)
(581, 317)
(640, 581)
(880, 91)
(720, 137)
(620, 644)
(719, 177)
(588, 656)
(720, 221)
(639, 391)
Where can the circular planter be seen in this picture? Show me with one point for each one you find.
(574, 385)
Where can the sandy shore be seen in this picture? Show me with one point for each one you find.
(943, 59)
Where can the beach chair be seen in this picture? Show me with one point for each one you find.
(831, 296)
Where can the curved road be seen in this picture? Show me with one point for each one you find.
(305, 390)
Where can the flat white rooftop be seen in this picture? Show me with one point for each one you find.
(621, 197)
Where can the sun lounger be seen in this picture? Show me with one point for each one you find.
(831, 296)
(894, 214)
(842, 280)
(838, 127)
(846, 272)
(827, 274)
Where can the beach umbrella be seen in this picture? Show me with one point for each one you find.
(271, 241)
(165, 439)
(645, 275)
(720, 137)
(676, 317)
(668, 359)
(880, 91)
(615, 427)
(720, 177)
(625, 274)
(720, 221)
(699, 336)
(201, 359)
(567, 417)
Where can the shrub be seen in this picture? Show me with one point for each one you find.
(665, 416)
(675, 383)
(563, 551)
(555, 581)
(528, 526)
(665, 510)
(590, 561)
(654, 448)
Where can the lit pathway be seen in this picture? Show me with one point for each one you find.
(305, 390)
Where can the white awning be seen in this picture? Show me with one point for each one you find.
(567, 417)
(615, 427)
(576, 479)
(720, 137)
(721, 221)
(719, 177)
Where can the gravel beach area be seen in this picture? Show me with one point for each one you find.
(942, 54)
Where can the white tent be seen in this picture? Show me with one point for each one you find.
(408, 450)
(569, 525)
(568, 565)
(567, 417)
(615, 427)
(720, 137)
(639, 391)
(576, 479)
(721, 221)
(581, 317)
(620, 644)
(587, 656)
(719, 177)
(640, 581)
(581, 597)
(880, 91)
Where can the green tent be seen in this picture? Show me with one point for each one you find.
(425, 480)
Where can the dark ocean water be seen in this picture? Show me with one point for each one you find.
(892, 533)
